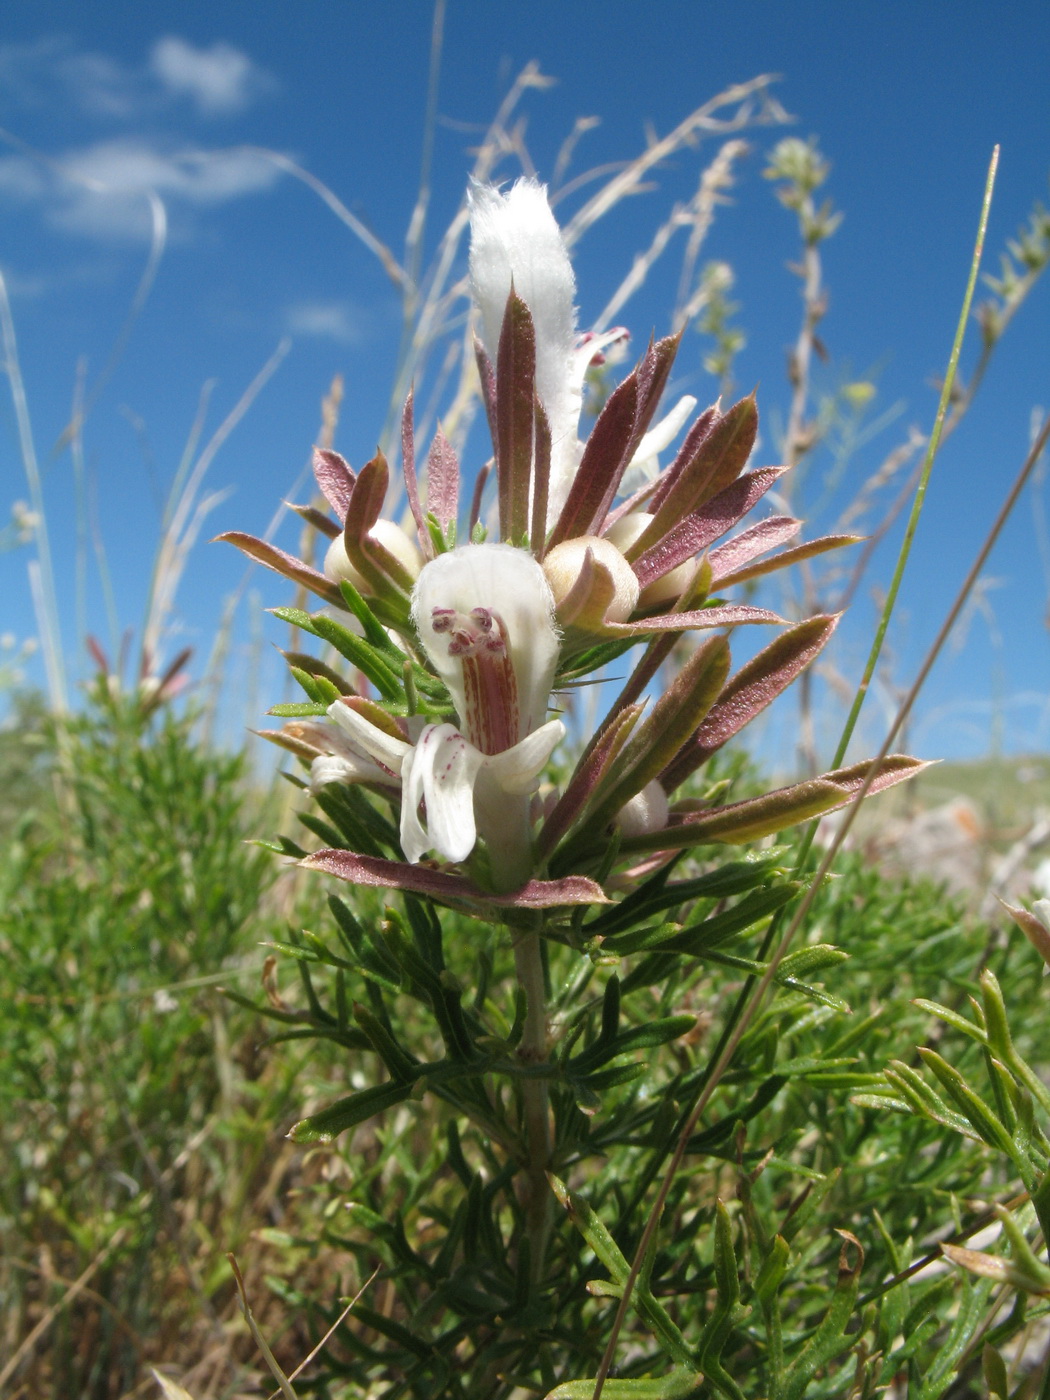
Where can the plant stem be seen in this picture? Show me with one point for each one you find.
(532, 1050)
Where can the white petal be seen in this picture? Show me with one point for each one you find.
(442, 771)
(414, 840)
(365, 735)
(352, 768)
(517, 769)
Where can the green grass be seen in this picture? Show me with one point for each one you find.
(144, 1122)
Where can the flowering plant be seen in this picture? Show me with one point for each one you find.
(429, 757)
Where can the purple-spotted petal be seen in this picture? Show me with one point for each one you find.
(441, 771)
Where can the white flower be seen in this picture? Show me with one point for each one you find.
(483, 613)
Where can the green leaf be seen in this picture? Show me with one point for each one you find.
(348, 1112)
(727, 1310)
(679, 1384)
(644, 1037)
(734, 877)
(830, 1338)
(981, 1118)
(368, 659)
(609, 1255)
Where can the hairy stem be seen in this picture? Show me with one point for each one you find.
(532, 1050)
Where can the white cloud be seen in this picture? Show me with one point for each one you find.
(326, 320)
(219, 79)
(102, 191)
(102, 86)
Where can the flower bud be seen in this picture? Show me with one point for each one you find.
(646, 811)
(662, 590)
(395, 541)
(564, 563)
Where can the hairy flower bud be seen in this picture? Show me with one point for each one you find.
(646, 811)
(395, 541)
(563, 565)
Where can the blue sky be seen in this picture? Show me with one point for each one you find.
(103, 104)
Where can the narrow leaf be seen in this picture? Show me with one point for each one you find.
(750, 543)
(368, 556)
(515, 396)
(778, 810)
(673, 720)
(348, 1112)
(335, 477)
(323, 524)
(602, 458)
(613, 441)
(787, 557)
(419, 879)
(408, 469)
(541, 475)
(728, 615)
(691, 444)
(285, 564)
(755, 685)
(585, 779)
(442, 481)
(719, 460)
(685, 537)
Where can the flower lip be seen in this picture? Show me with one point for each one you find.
(484, 614)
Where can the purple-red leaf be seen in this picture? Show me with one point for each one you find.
(720, 458)
(488, 387)
(786, 557)
(375, 564)
(705, 525)
(589, 772)
(408, 471)
(731, 615)
(515, 417)
(335, 477)
(672, 722)
(1032, 927)
(285, 564)
(442, 481)
(613, 442)
(419, 879)
(776, 811)
(480, 481)
(751, 543)
(323, 524)
(541, 476)
(601, 463)
(754, 686)
(691, 444)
